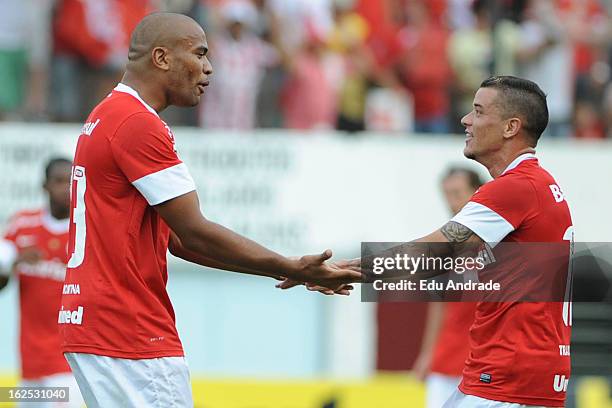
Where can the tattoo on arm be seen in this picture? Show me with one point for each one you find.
(455, 232)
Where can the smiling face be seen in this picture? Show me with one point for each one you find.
(484, 126)
(189, 67)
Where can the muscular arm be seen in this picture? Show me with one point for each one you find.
(451, 240)
(177, 249)
(204, 242)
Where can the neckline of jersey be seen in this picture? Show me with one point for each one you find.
(53, 224)
(519, 160)
(129, 90)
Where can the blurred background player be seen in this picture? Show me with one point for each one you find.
(445, 344)
(34, 248)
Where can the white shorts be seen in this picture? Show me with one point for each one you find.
(461, 400)
(439, 388)
(55, 380)
(117, 382)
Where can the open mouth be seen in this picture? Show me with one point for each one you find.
(202, 85)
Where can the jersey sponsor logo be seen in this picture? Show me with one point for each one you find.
(557, 193)
(71, 317)
(89, 127)
(71, 289)
(44, 269)
(24, 241)
(54, 244)
(560, 383)
(486, 378)
(564, 349)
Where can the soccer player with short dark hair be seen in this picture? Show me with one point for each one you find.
(515, 355)
(519, 351)
(34, 251)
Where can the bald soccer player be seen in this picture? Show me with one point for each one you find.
(132, 200)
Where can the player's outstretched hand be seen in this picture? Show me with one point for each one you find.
(344, 290)
(317, 272)
(352, 264)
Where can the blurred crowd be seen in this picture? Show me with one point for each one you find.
(384, 65)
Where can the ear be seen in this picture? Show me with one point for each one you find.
(160, 57)
(512, 128)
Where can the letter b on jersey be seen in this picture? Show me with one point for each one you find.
(557, 193)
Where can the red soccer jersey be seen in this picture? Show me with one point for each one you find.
(452, 345)
(40, 291)
(115, 301)
(519, 351)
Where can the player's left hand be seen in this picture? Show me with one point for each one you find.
(345, 290)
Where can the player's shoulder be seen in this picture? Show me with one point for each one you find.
(142, 128)
(24, 219)
(531, 173)
(512, 183)
(121, 108)
(109, 115)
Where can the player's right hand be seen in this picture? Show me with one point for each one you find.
(317, 272)
(286, 283)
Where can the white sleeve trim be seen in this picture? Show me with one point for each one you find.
(484, 222)
(165, 184)
(8, 255)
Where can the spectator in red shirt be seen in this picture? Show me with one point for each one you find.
(309, 100)
(422, 64)
(90, 39)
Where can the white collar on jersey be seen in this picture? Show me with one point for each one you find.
(519, 160)
(129, 90)
(53, 224)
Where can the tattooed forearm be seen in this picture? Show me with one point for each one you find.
(455, 232)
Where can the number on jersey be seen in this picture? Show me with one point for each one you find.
(78, 186)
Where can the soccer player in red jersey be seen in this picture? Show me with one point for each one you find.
(34, 249)
(445, 345)
(519, 351)
(132, 200)
(516, 348)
